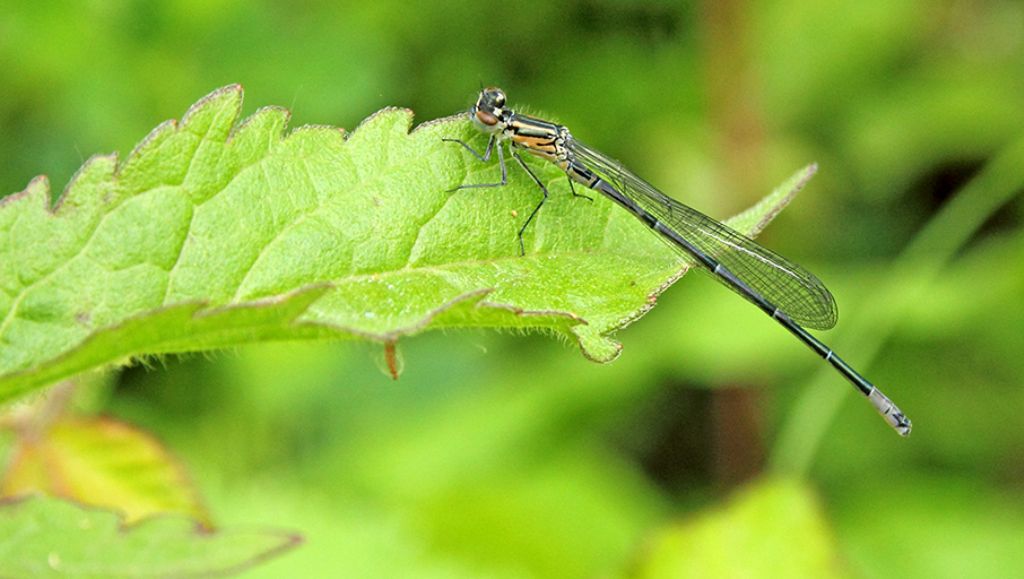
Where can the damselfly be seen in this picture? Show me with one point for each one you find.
(788, 293)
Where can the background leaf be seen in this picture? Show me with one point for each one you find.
(43, 537)
(773, 528)
(102, 462)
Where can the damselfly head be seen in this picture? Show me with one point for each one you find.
(489, 112)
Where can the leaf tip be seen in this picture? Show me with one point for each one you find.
(441, 121)
(752, 221)
(221, 108)
(405, 115)
(153, 139)
(39, 186)
(96, 169)
(273, 118)
(596, 346)
(229, 93)
(806, 174)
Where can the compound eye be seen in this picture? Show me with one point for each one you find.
(494, 96)
(486, 118)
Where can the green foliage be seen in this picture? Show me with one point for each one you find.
(499, 455)
(41, 537)
(213, 233)
(933, 542)
(102, 462)
(751, 536)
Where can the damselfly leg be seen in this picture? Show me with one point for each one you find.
(504, 180)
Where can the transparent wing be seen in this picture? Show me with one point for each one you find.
(788, 286)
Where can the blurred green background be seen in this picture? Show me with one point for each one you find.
(512, 456)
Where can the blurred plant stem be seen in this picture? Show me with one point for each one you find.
(736, 113)
(908, 280)
(733, 95)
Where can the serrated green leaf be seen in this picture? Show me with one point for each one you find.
(102, 462)
(214, 233)
(44, 537)
(774, 528)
